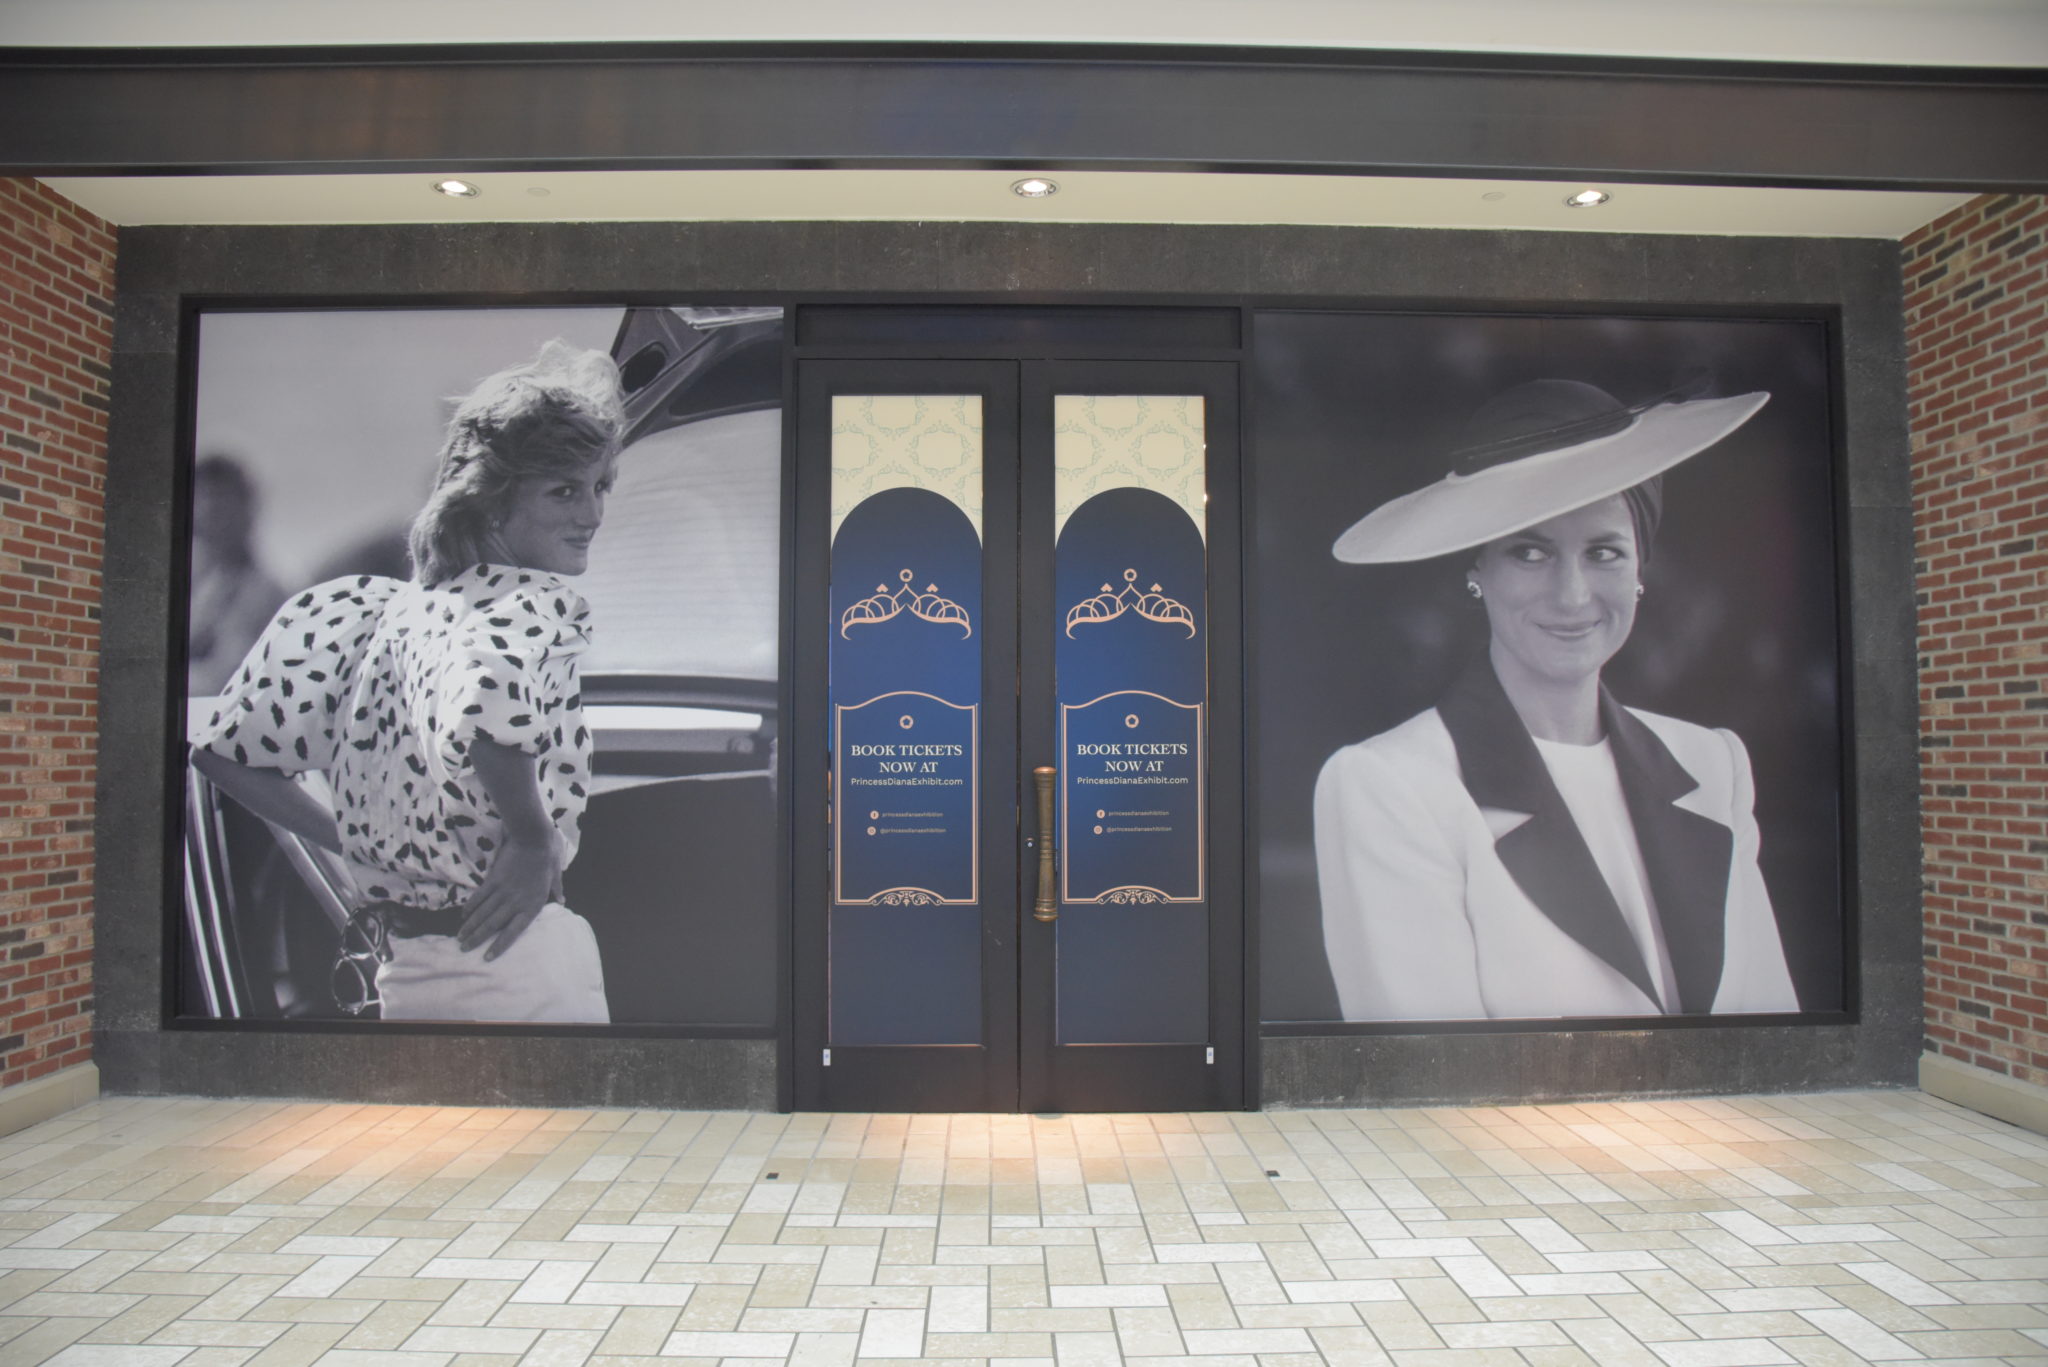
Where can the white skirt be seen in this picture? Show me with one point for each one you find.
(551, 973)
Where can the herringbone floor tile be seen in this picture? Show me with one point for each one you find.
(1738, 1232)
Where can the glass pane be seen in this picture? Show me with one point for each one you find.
(905, 662)
(1131, 654)
(699, 505)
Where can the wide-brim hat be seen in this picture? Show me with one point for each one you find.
(1533, 452)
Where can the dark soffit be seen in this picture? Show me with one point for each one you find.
(754, 106)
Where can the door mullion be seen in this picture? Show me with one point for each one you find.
(1037, 941)
(1000, 805)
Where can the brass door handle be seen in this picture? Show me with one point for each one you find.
(1046, 907)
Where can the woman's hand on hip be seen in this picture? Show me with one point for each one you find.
(520, 881)
(528, 867)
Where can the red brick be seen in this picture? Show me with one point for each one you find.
(55, 264)
(1978, 402)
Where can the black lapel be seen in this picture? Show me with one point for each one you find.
(1686, 854)
(1546, 855)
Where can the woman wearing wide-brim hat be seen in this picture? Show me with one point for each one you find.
(1529, 847)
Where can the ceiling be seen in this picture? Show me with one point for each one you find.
(954, 196)
(1953, 33)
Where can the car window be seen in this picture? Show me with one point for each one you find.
(683, 579)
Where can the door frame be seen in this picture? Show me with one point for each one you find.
(963, 1077)
(1010, 338)
(1102, 1077)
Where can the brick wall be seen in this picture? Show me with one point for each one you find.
(56, 339)
(1976, 333)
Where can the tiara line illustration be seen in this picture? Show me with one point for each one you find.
(885, 604)
(1111, 604)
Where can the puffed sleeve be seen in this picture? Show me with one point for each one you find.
(1753, 972)
(280, 708)
(510, 674)
(1393, 894)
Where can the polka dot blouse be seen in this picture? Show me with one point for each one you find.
(383, 686)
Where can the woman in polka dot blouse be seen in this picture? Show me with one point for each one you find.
(446, 716)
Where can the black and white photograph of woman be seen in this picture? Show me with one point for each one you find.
(446, 715)
(1529, 846)
(1548, 698)
(501, 746)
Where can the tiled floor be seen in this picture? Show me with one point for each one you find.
(1841, 1228)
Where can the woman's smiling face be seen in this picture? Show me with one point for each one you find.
(1560, 597)
(550, 520)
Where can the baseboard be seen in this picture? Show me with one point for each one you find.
(31, 1103)
(1993, 1094)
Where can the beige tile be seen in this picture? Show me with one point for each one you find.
(1016, 1287)
(1350, 1347)
(1949, 1343)
(1719, 1230)
(992, 1346)
(711, 1344)
(891, 1334)
(1197, 1306)
(1072, 1320)
(298, 1346)
(1328, 1315)
(1398, 1325)
(713, 1309)
(640, 1331)
(1557, 1357)
(1144, 1331)
(596, 1318)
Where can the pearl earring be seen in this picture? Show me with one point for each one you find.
(1473, 588)
(1639, 590)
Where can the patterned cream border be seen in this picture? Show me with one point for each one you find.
(1130, 441)
(906, 441)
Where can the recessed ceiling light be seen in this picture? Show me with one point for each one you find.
(1034, 187)
(457, 189)
(1586, 199)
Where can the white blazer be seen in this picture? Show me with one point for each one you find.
(1455, 884)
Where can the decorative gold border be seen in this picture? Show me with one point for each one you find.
(906, 896)
(1201, 804)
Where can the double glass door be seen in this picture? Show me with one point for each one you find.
(1017, 792)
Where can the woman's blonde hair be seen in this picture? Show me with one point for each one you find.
(554, 415)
